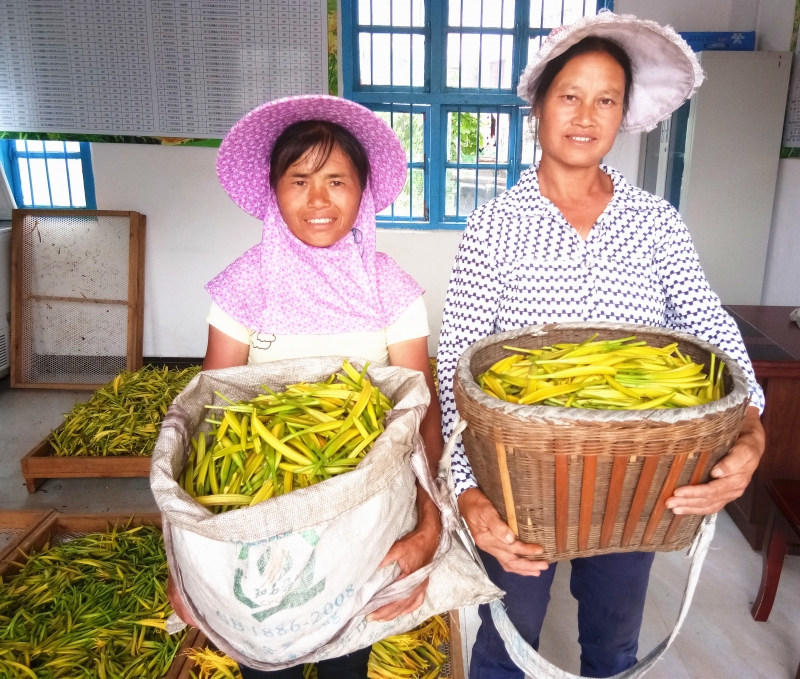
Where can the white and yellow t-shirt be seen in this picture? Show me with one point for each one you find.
(373, 346)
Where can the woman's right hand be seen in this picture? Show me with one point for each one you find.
(177, 604)
(494, 536)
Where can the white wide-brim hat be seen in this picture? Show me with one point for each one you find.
(665, 70)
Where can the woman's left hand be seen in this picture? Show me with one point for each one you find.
(731, 475)
(411, 552)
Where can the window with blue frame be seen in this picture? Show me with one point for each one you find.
(444, 75)
(49, 174)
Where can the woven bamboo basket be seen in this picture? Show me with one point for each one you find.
(584, 482)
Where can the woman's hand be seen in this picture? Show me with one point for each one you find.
(494, 536)
(731, 475)
(177, 604)
(411, 552)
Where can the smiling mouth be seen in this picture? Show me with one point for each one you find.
(321, 221)
(582, 140)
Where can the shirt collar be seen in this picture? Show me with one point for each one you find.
(529, 198)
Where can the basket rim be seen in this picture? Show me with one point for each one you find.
(553, 415)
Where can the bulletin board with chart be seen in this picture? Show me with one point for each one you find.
(160, 71)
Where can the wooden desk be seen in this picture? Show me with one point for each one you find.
(773, 343)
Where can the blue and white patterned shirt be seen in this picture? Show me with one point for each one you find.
(521, 263)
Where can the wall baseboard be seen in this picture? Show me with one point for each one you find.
(173, 362)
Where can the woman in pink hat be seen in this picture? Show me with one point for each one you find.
(316, 170)
(573, 241)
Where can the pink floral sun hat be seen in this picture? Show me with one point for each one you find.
(665, 70)
(243, 160)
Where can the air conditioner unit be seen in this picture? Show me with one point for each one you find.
(5, 299)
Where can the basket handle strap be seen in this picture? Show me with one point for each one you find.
(536, 666)
(533, 664)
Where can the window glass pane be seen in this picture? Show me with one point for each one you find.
(573, 10)
(20, 144)
(402, 204)
(451, 183)
(363, 12)
(381, 59)
(492, 13)
(365, 58)
(453, 58)
(54, 146)
(401, 12)
(462, 137)
(470, 59)
(25, 180)
(78, 193)
(418, 193)
(454, 13)
(467, 185)
(35, 146)
(536, 13)
(418, 12)
(73, 147)
(490, 184)
(509, 10)
(465, 12)
(418, 138)
(409, 128)
(59, 188)
(552, 13)
(411, 201)
(490, 61)
(533, 46)
(381, 15)
(506, 61)
(401, 60)
(41, 195)
(418, 65)
(493, 139)
(530, 151)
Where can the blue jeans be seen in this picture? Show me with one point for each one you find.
(610, 590)
(352, 666)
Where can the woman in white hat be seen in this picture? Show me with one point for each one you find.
(573, 241)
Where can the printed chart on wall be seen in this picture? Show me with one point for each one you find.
(159, 71)
(790, 147)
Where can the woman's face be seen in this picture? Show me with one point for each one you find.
(321, 206)
(582, 112)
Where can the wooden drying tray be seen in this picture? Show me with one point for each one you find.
(41, 526)
(41, 464)
(20, 522)
(456, 657)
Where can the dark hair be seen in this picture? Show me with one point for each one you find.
(589, 44)
(321, 136)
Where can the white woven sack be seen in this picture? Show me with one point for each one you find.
(292, 579)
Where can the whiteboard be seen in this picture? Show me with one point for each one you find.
(173, 68)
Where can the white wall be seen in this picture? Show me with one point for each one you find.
(194, 231)
(782, 279)
(696, 15)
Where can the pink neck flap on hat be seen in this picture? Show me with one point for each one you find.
(286, 287)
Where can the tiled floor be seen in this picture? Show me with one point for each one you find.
(719, 639)
(26, 418)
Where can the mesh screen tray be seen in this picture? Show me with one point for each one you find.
(77, 297)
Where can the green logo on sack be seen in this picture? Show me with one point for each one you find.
(302, 592)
